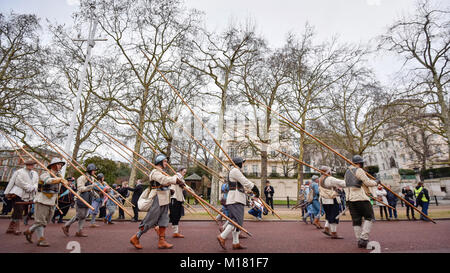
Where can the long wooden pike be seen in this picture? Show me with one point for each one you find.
(188, 189)
(118, 141)
(31, 202)
(45, 168)
(324, 173)
(49, 142)
(170, 167)
(201, 122)
(340, 155)
(69, 160)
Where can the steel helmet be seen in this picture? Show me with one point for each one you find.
(100, 176)
(238, 160)
(160, 158)
(314, 177)
(55, 161)
(357, 159)
(91, 167)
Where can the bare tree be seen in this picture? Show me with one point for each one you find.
(313, 69)
(157, 28)
(217, 59)
(423, 41)
(22, 68)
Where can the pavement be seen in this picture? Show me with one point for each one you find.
(267, 237)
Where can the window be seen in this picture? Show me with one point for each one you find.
(274, 169)
(255, 169)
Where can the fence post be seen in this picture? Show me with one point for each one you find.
(435, 198)
(288, 201)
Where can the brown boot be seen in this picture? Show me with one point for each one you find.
(135, 242)
(326, 231)
(80, 234)
(238, 246)
(17, 229)
(317, 223)
(335, 236)
(162, 239)
(65, 229)
(221, 242)
(28, 235)
(11, 227)
(178, 235)
(42, 242)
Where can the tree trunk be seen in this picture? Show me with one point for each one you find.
(137, 148)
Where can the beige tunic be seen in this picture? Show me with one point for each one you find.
(24, 184)
(235, 196)
(359, 194)
(164, 180)
(327, 195)
(178, 191)
(45, 198)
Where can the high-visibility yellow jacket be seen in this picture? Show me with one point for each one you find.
(417, 192)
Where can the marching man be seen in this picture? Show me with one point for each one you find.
(358, 201)
(45, 201)
(21, 188)
(85, 190)
(158, 213)
(330, 200)
(236, 200)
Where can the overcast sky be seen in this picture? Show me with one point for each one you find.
(355, 21)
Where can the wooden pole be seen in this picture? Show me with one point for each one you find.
(324, 173)
(51, 173)
(341, 156)
(73, 165)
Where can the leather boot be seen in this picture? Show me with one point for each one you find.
(326, 231)
(238, 246)
(317, 223)
(65, 229)
(28, 235)
(221, 242)
(80, 234)
(11, 227)
(42, 242)
(162, 238)
(135, 242)
(178, 235)
(362, 243)
(335, 236)
(16, 228)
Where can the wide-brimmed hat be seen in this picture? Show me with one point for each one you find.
(29, 162)
(55, 161)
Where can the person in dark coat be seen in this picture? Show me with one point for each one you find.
(123, 191)
(268, 192)
(409, 196)
(137, 191)
(65, 200)
(392, 201)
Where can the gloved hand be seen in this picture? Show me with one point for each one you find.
(255, 190)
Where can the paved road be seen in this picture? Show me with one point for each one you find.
(268, 237)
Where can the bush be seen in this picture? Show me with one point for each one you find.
(436, 173)
(406, 172)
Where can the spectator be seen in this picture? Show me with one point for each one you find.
(342, 196)
(268, 192)
(137, 191)
(381, 197)
(7, 204)
(123, 191)
(66, 199)
(422, 199)
(392, 201)
(302, 198)
(409, 196)
(257, 208)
